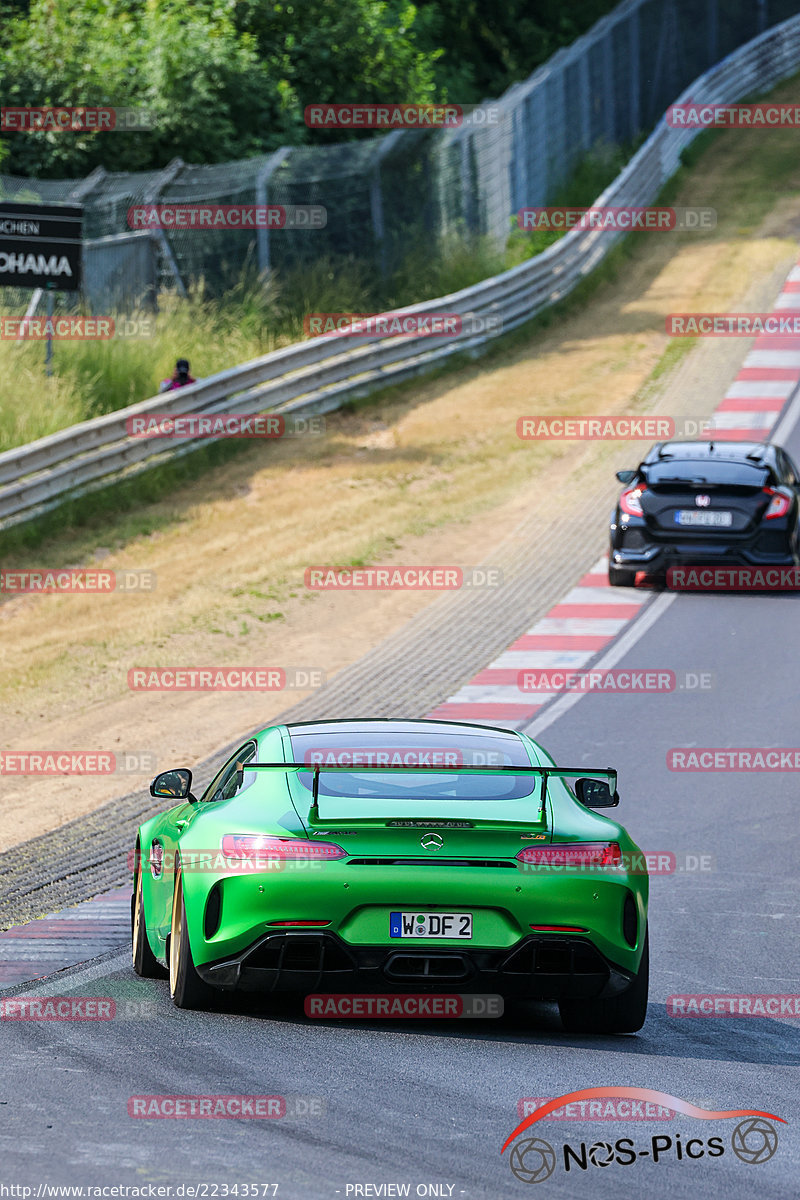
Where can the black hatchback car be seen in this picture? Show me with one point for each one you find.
(692, 503)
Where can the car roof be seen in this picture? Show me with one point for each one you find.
(755, 453)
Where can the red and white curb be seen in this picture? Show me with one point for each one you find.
(589, 618)
(768, 376)
(569, 637)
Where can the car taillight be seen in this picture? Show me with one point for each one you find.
(778, 505)
(630, 501)
(247, 845)
(571, 854)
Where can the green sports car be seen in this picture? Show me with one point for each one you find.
(395, 856)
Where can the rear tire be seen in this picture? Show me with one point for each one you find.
(145, 963)
(625, 1013)
(186, 987)
(619, 577)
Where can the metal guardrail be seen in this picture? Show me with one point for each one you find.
(318, 376)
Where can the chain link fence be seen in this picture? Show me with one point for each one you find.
(385, 193)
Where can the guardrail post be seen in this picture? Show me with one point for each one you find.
(262, 180)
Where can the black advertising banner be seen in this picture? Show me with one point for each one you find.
(40, 244)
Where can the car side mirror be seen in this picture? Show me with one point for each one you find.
(626, 476)
(595, 793)
(173, 785)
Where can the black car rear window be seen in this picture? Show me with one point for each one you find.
(416, 749)
(698, 470)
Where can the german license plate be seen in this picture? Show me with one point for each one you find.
(691, 516)
(430, 925)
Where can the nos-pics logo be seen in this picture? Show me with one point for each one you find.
(754, 1139)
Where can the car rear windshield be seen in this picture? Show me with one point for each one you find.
(424, 751)
(699, 470)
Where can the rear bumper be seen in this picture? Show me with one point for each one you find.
(538, 967)
(656, 558)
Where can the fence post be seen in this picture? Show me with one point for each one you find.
(635, 63)
(376, 195)
(713, 31)
(262, 179)
(586, 104)
(612, 117)
(469, 201)
(88, 185)
(79, 193)
(169, 173)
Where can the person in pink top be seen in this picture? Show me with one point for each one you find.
(180, 377)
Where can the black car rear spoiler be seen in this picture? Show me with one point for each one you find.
(546, 773)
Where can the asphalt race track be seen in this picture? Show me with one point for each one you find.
(424, 1103)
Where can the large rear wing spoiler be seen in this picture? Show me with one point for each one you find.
(604, 796)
